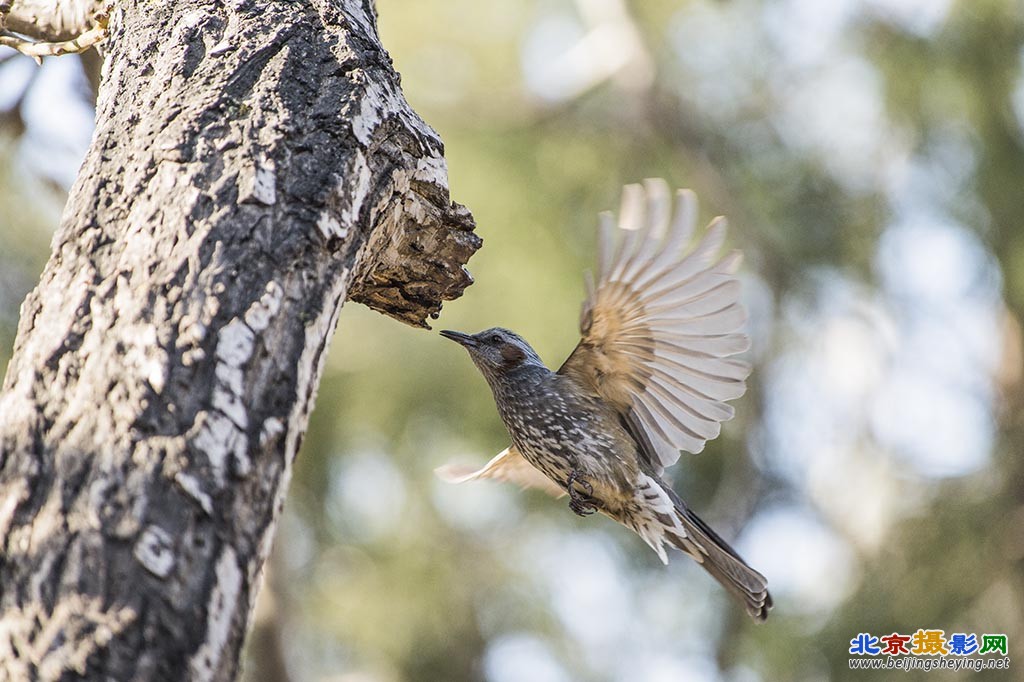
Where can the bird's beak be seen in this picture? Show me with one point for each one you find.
(459, 338)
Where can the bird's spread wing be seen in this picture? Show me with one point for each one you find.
(508, 465)
(661, 322)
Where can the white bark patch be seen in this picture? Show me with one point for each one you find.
(222, 434)
(266, 180)
(371, 110)
(145, 353)
(258, 316)
(361, 171)
(223, 47)
(258, 183)
(193, 489)
(141, 352)
(190, 20)
(235, 343)
(155, 551)
(356, 190)
(226, 398)
(330, 226)
(272, 428)
(432, 169)
(156, 375)
(381, 102)
(230, 378)
(219, 612)
(355, 11)
(221, 440)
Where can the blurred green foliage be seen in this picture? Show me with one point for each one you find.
(830, 133)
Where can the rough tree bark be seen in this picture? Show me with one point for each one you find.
(254, 165)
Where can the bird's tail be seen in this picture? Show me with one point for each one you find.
(722, 561)
(669, 520)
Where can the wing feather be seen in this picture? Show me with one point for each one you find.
(660, 323)
(509, 466)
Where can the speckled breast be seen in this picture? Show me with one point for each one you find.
(557, 432)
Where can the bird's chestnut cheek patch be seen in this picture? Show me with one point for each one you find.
(512, 355)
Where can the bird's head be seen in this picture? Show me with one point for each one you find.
(496, 351)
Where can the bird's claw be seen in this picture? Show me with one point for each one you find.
(581, 507)
(583, 504)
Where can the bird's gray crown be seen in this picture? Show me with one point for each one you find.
(496, 350)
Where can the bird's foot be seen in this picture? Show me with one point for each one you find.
(583, 504)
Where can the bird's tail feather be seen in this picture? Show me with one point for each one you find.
(660, 518)
(722, 562)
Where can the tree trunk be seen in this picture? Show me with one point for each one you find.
(253, 165)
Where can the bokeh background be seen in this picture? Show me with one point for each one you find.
(870, 157)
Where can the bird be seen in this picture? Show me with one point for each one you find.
(650, 377)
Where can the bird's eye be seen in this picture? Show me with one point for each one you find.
(495, 339)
